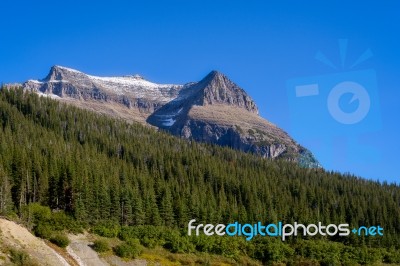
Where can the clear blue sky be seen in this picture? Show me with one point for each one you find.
(259, 45)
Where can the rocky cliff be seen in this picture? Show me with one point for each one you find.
(216, 110)
(133, 92)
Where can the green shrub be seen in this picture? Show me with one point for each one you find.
(176, 243)
(129, 250)
(43, 231)
(392, 256)
(40, 213)
(107, 229)
(61, 221)
(101, 246)
(226, 246)
(60, 240)
(203, 243)
(34, 214)
(20, 258)
(142, 231)
(149, 242)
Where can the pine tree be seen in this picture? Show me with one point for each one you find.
(152, 212)
(137, 208)
(166, 210)
(6, 203)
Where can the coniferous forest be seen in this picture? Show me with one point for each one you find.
(129, 181)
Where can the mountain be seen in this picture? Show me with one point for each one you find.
(213, 110)
(130, 97)
(216, 110)
(64, 169)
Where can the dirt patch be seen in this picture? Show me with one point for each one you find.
(80, 250)
(18, 237)
(114, 260)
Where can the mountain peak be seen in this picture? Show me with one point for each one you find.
(214, 75)
(217, 88)
(60, 73)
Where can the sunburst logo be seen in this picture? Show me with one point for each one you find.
(342, 104)
(358, 92)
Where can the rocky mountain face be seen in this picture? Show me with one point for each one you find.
(216, 110)
(213, 110)
(105, 94)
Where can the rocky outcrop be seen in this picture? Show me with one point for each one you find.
(216, 88)
(216, 110)
(130, 91)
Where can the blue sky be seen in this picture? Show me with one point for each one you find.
(262, 46)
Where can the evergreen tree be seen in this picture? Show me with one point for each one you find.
(6, 203)
(166, 209)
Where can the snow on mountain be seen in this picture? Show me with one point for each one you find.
(134, 85)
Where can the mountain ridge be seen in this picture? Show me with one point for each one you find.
(213, 110)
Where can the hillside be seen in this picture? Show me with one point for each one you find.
(92, 170)
(213, 110)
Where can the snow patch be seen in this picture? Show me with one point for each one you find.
(132, 81)
(56, 81)
(168, 122)
(68, 69)
(136, 86)
(35, 81)
(53, 96)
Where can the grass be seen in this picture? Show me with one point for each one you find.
(20, 258)
(160, 256)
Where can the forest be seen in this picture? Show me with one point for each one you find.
(67, 169)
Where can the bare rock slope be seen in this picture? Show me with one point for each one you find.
(216, 110)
